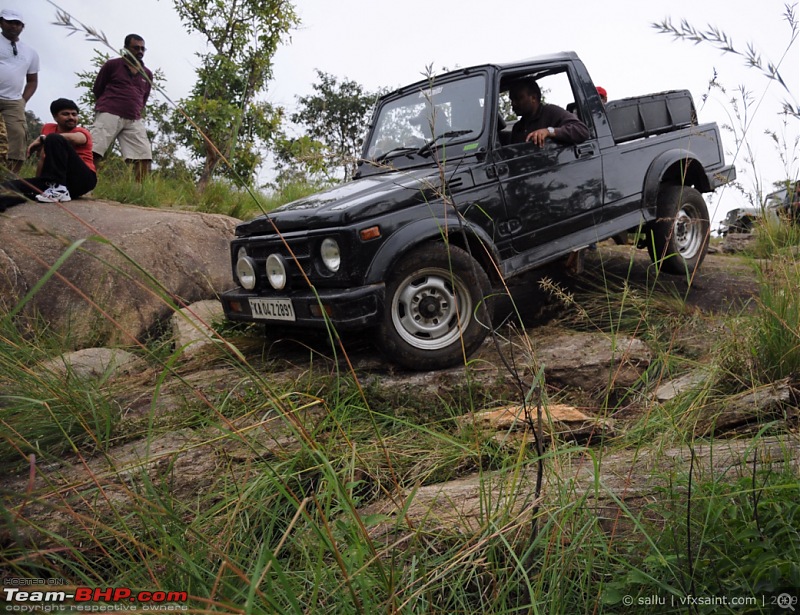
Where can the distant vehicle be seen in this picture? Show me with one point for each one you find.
(443, 210)
(781, 204)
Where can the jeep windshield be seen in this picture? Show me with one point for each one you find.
(412, 128)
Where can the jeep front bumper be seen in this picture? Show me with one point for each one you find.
(350, 308)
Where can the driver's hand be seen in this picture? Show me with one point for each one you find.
(538, 137)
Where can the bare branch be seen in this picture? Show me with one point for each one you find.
(719, 39)
(65, 20)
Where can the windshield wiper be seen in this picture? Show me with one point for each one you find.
(395, 152)
(428, 147)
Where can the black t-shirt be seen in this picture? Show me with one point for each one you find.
(570, 128)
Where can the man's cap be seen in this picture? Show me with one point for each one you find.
(59, 104)
(602, 92)
(12, 15)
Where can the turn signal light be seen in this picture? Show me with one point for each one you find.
(370, 233)
(316, 312)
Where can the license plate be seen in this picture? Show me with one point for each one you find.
(272, 309)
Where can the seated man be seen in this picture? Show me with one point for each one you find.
(541, 121)
(65, 168)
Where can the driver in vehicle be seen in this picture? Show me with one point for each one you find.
(422, 124)
(541, 121)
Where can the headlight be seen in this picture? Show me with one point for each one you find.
(245, 270)
(329, 251)
(276, 271)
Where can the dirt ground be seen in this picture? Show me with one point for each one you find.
(724, 282)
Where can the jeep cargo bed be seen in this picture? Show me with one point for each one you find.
(653, 114)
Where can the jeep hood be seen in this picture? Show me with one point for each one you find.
(347, 203)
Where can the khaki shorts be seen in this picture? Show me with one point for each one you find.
(131, 135)
(16, 127)
(3, 140)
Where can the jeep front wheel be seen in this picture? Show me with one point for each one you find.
(434, 309)
(679, 236)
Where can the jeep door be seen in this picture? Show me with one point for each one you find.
(552, 191)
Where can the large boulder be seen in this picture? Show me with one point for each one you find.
(94, 364)
(124, 269)
(192, 328)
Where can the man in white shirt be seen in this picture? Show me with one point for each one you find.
(19, 68)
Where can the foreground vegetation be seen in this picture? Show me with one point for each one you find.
(292, 531)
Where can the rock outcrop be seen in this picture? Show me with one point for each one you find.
(103, 273)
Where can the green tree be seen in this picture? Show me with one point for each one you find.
(33, 124)
(299, 160)
(337, 115)
(222, 118)
(86, 80)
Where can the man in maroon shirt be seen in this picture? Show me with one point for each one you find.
(540, 121)
(121, 90)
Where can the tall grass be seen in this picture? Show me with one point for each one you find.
(309, 498)
(292, 529)
(116, 183)
(291, 533)
(776, 346)
(766, 345)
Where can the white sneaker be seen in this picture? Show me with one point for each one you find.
(55, 193)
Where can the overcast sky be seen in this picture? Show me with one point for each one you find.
(390, 44)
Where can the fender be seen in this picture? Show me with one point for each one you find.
(421, 231)
(676, 165)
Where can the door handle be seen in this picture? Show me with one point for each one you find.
(584, 149)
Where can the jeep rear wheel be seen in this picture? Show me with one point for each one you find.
(432, 300)
(679, 236)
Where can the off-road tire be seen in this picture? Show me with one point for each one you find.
(435, 312)
(678, 239)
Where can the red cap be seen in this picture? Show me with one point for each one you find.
(602, 92)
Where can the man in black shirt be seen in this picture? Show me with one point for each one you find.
(541, 121)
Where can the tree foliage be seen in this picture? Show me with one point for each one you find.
(300, 160)
(33, 124)
(336, 115)
(223, 117)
